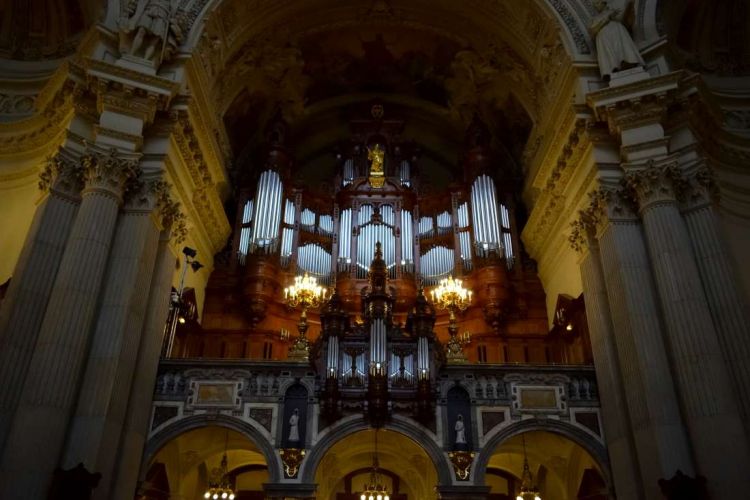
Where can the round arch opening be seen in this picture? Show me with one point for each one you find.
(187, 464)
(561, 468)
(406, 468)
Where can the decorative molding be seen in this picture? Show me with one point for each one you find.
(461, 461)
(110, 171)
(63, 174)
(654, 182)
(292, 459)
(579, 37)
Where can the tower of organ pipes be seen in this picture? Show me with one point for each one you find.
(286, 229)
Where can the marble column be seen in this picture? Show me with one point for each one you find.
(29, 290)
(658, 431)
(617, 428)
(98, 419)
(39, 426)
(709, 408)
(728, 309)
(133, 436)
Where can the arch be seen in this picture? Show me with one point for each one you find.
(597, 451)
(161, 438)
(405, 427)
(646, 25)
(566, 13)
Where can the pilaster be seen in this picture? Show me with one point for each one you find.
(658, 432)
(30, 288)
(709, 408)
(55, 369)
(617, 429)
(727, 307)
(139, 398)
(98, 420)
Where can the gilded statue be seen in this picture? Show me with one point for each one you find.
(377, 175)
(615, 49)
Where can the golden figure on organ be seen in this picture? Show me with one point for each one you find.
(377, 176)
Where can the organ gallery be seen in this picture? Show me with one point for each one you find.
(374, 250)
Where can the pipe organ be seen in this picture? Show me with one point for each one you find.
(376, 246)
(441, 241)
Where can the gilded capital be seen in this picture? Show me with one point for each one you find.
(654, 183)
(62, 173)
(110, 171)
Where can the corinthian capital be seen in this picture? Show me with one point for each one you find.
(169, 211)
(654, 183)
(698, 187)
(62, 173)
(110, 171)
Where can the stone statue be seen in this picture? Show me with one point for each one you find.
(294, 426)
(460, 430)
(152, 30)
(615, 48)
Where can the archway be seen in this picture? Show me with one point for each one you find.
(406, 468)
(182, 463)
(561, 468)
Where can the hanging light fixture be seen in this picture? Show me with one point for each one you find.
(529, 491)
(375, 489)
(223, 489)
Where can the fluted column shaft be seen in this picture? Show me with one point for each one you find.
(710, 412)
(38, 430)
(622, 455)
(98, 419)
(659, 435)
(29, 291)
(728, 310)
(133, 436)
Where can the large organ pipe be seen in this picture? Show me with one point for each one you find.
(423, 359)
(377, 345)
(333, 356)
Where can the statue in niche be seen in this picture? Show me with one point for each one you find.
(294, 426)
(152, 30)
(460, 430)
(615, 48)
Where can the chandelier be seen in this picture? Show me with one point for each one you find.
(529, 491)
(305, 293)
(452, 295)
(374, 489)
(221, 490)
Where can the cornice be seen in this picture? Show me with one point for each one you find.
(204, 196)
(560, 170)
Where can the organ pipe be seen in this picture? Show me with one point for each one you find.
(333, 356)
(268, 209)
(345, 235)
(435, 263)
(377, 345)
(423, 358)
(407, 249)
(485, 213)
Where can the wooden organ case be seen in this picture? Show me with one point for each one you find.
(377, 240)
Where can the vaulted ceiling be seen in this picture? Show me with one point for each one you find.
(433, 64)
